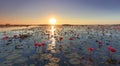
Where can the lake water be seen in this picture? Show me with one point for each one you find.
(2, 29)
(71, 50)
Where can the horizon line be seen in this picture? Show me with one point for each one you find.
(59, 24)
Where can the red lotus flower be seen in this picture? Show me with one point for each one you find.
(39, 45)
(71, 38)
(60, 38)
(90, 49)
(111, 49)
(43, 44)
(6, 37)
(15, 36)
(100, 42)
(36, 44)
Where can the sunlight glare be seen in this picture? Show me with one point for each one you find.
(52, 21)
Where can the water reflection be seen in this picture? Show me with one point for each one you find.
(52, 31)
(52, 34)
(53, 43)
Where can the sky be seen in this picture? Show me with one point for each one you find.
(64, 11)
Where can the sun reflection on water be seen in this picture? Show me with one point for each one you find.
(52, 34)
(52, 30)
(52, 45)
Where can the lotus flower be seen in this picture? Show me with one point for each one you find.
(71, 38)
(60, 38)
(90, 49)
(111, 49)
(6, 37)
(15, 36)
(39, 45)
(43, 44)
(100, 42)
(36, 44)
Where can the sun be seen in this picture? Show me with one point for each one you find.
(52, 21)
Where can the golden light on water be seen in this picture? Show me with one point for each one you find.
(52, 21)
(52, 30)
(53, 39)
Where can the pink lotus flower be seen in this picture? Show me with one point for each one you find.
(15, 36)
(111, 49)
(90, 49)
(60, 38)
(71, 38)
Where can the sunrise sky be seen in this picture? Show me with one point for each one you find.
(64, 11)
